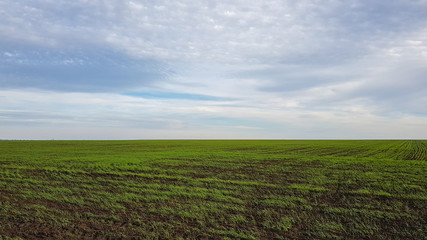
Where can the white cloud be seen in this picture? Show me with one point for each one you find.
(292, 66)
(57, 113)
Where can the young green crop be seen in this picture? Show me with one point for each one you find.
(195, 189)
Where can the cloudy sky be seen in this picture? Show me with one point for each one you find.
(93, 69)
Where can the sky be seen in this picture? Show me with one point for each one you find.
(306, 69)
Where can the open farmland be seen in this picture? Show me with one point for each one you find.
(213, 189)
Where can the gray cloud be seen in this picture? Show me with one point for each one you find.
(403, 89)
(327, 60)
(86, 70)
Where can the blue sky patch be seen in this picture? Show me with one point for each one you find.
(171, 95)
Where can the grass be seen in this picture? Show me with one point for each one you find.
(213, 189)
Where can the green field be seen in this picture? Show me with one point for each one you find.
(213, 189)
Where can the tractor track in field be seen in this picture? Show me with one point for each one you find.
(417, 150)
